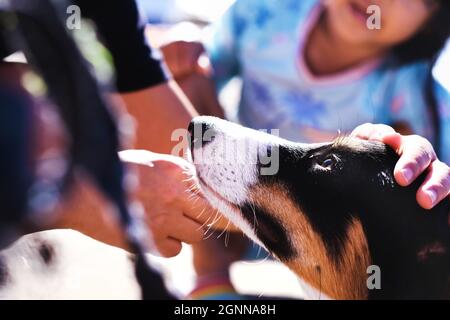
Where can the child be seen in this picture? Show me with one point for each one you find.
(311, 68)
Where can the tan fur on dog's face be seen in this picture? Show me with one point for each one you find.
(343, 279)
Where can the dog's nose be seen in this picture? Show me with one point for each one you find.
(201, 133)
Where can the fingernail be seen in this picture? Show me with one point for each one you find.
(432, 195)
(407, 174)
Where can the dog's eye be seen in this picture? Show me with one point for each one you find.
(327, 163)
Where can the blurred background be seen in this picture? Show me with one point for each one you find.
(203, 12)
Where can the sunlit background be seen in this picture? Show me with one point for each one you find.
(207, 11)
(179, 10)
(442, 70)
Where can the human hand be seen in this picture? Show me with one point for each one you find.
(185, 58)
(167, 189)
(416, 156)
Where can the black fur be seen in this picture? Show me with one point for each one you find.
(4, 274)
(360, 184)
(269, 230)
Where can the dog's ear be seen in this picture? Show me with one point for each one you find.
(152, 283)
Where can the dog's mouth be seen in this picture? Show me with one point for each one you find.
(231, 211)
(264, 229)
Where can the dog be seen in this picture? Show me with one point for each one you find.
(65, 264)
(331, 212)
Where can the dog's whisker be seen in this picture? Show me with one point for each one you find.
(206, 223)
(209, 235)
(259, 261)
(195, 190)
(266, 258)
(192, 190)
(227, 239)
(189, 179)
(215, 219)
(259, 251)
(201, 227)
(209, 230)
(224, 230)
(255, 221)
(192, 186)
(191, 194)
(201, 213)
(195, 200)
(210, 224)
(193, 197)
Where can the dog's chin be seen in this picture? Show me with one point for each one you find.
(230, 210)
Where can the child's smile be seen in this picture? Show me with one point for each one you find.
(399, 21)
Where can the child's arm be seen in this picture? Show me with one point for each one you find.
(183, 58)
(221, 60)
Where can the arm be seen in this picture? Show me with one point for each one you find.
(158, 111)
(156, 103)
(221, 61)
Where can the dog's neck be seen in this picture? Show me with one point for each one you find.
(411, 250)
(410, 253)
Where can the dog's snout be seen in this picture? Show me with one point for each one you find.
(201, 133)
